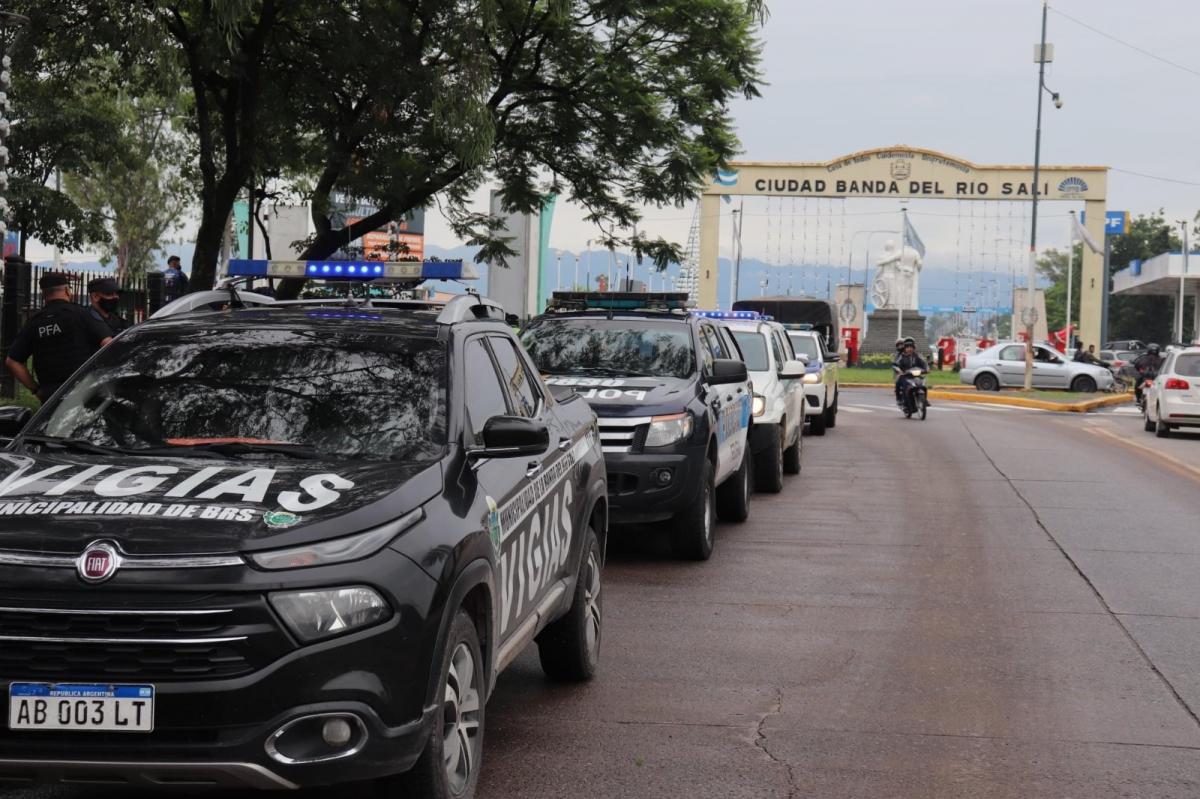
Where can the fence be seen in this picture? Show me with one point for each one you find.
(21, 297)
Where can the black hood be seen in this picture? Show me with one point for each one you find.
(629, 396)
(59, 503)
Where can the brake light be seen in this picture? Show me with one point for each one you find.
(1175, 384)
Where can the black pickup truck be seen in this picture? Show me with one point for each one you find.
(674, 404)
(292, 545)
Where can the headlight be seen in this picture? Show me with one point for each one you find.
(760, 405)
(666, 430)
(313, 615)
(812, 378)
(339, 550)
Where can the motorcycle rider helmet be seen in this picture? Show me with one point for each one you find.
(899, 344)
(909, 341)
(1152, 349)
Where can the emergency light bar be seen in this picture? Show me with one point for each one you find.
(619, 300)
(354, 270)
(729, 314)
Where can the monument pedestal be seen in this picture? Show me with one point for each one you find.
(882, 332)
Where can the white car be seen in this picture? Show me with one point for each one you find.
(778, 405)
(1173, 399)
(821, 382)
(1004, 365)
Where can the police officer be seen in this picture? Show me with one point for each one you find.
(105, 302)
(60, 337)
(175, 282)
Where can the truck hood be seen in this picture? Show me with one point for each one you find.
(60, 502)
(629, 396)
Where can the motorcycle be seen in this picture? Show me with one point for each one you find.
(1144, 382)
(916, 395)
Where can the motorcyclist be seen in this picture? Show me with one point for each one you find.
(907, 358)
(1147, 366)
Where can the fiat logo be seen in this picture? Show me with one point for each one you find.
(98, 562)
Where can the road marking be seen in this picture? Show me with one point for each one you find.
(1186, 469)
(856, 409)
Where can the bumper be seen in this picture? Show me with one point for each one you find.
(221, 731)
(1179, 411)
(814, 399)
(967, 376)
(635, 492)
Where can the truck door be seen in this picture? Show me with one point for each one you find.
(726, 402)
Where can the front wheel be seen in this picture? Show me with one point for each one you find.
(831, 414)
(817, 424)
(692, 531)
(768, 464)
(733, 496)
(791, 455)
(1083, 384)
(569, 648)
(922, 406)
(987, 382)
(449, 766)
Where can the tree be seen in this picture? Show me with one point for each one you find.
(1147, 318)
(611, 104)
(143, 190)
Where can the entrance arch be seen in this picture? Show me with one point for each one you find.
(911, 172)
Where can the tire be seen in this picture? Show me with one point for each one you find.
(792, 455)
(1147, 425)
(768, 465)
(434, 774)
(733, 496)
(816, 424)
(569, 647)
(831, 421)
(1161, 428)
(922, 407)
(987, 382)
(1084, 384)
(693, 532)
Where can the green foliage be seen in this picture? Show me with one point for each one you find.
(875, 361)
(1052, 266)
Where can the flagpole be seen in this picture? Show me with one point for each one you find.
(1070, 275)
(903, 243)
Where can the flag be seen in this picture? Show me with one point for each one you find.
(1080, 233)
(911, 239)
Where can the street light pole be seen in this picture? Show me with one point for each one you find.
(1029, 315)
(1183, 282)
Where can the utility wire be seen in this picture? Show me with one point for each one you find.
(1155, 177)
(1124, 43)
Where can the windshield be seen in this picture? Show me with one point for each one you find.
(805, 345)
(616, 347)
(340, 394)
(754, 350)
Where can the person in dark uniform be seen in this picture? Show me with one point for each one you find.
(175, 282)
(105, 303)
(59, 338)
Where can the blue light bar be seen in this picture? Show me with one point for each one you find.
(728, 314)
(354, 270)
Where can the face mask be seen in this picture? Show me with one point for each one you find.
(110, 304)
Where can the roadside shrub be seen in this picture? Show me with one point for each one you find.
(875, 361)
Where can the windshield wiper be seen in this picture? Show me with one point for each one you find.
(609, 371)
(74, 444)
(239, 448)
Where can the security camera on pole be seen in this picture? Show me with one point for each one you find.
(1043, 54)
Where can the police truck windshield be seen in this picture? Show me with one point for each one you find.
(261, 393)
(754, 350)
(613, 347)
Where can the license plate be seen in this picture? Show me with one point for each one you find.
(81, 707)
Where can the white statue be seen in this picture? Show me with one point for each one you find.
(897, 278)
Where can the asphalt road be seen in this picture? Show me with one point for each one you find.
(990, 603)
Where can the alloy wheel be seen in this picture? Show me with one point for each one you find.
(460, 735)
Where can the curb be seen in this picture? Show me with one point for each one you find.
(1000, 398)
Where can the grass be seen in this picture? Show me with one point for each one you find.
(884, 377)
(23, 398)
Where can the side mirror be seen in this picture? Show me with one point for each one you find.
(727, 370)
(511, 437)
(793, 370)
(13, 419)
(834, 358)
(804, 359)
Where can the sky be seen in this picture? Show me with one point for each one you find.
(955, 76)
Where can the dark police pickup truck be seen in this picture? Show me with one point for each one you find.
(292, 546)
(674, 403)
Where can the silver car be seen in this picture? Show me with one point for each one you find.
(1004, 365)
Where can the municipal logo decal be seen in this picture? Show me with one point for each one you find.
(901, 170)
(280, 519)
(495, 529)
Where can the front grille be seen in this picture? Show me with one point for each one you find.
(620, 435)
(227, 637)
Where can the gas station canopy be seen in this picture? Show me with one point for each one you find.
(1160, 275)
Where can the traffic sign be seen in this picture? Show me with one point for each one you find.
(1115, 222)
